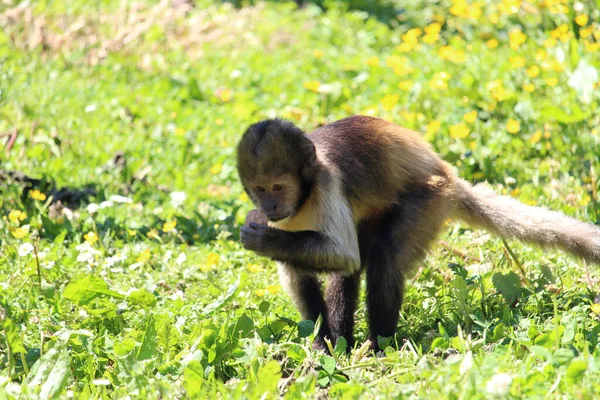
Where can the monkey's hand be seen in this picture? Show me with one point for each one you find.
(255, 237)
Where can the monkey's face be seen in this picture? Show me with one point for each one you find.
(275, 196)
(277, 164)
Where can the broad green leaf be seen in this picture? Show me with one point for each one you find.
(328, 364)
(267, 379)
(508, 285)
(244, 326)
(85, 288)
(563, 356)
(305, 328)
(49, 375)
(340, 346)
(193, 377)
(278, 326)
(141, 297)
(576, 370)
(13, 336)
(124, 347)
(263, 307)
(148, 346)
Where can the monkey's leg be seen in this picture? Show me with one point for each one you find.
(341, 297)
(385, 289)
(305, 290)
(402, 240)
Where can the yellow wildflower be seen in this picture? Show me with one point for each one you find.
(439, 81)
(313, 86)
(586, 32)
(37, 195)
(497, 90)
(550, 42)
(131, 232)
(509, 6)
(451, 54)
(529, 87)
(516, 38)
(373, 61)
(144, 256)
(395, 61)
(91, 237)
(513, 126)
(19, 233)
(254, 268)
(406, 85)
(433, 28)
(492, 43)
(433, 127)
(273, 289)
(431, 38)
(213, 259)
(470, 117)
(551, 81)
(152, 234)
(169, 226)
(536, 137)
(581, 20)
(533, 71)
(318, 53)
(215, 169)
(459, 131)
(16, 215)
(389, 101)
(516, 62)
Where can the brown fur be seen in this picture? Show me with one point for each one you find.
(366, 194)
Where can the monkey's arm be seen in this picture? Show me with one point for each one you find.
(307, 250)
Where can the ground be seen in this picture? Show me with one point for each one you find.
(121, 273)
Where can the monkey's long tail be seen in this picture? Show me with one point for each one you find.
(507, 217)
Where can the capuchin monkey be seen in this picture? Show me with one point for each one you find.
(364, 194)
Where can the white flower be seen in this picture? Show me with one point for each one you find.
(101, 382)
(110, 261)
(135, 266)
(106, 204)
(177, 198)
(167, 256)
(177, 295)
(92, 208)
(86, 253)
(49, 265)
(499, 384)
(25, 249)
(120, 199)
(181, 258)
(85, 257)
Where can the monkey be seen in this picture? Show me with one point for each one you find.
(366, 195)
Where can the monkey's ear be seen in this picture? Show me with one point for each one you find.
(309, 167)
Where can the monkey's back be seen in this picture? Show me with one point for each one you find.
(376, 159)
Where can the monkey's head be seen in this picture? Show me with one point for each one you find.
(277, 165)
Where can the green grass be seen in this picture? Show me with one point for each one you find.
(99, 303)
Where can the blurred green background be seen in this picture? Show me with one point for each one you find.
(119, 260)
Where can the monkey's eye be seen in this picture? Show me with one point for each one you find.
(277, 188)
(260, 189)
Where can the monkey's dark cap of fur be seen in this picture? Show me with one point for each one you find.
(276, 143)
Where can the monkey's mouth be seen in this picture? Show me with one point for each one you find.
(277, 218)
